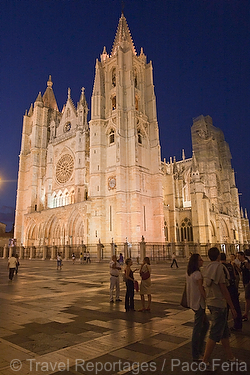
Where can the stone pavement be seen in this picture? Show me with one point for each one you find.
(61, 322)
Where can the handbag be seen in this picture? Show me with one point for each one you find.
(136, 285)
(184, 298)
(145, 275)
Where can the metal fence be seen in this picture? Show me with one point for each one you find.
(157, 252)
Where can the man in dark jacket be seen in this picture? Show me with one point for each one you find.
(233, 291)
(245, 271)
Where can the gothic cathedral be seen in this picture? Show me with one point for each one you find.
(86, 182)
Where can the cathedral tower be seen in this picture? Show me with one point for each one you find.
(125, 175)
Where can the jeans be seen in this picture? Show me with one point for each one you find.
(11, 273)
(201, 325)
(129, 298)
(233, 291)
(219, 328)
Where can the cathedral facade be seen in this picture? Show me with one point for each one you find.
(103, 181)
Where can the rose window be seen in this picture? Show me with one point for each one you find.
(64, 168)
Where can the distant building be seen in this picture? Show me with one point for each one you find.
(4, 237)
(85, 182)
(2, 228)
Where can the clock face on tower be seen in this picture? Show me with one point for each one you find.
(111, 183)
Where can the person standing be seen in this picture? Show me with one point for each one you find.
(17, 263)
(196, 301)
(120, 260)
(145, 286)
(236, 265)
(245, 270)
(129, 276)
(114, 280)
(81, 258)
(73, 258)
(59, 261)
(88, 257)
(12, 263)
(217, 298)
(233, 291)
(174, 261)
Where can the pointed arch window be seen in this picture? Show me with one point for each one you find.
(72, 197)
(54, 201)
(177, 233)
(186, 230)
(165, 231)
(114, 77)
(66, 198)
(136, 103)
(60, 200)
(113, 103)
(135, 79)
(213, 232)
(111, 136)
(139, 136)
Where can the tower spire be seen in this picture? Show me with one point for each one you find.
(49, 97)
(123, 37)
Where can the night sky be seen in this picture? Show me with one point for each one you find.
(201, 58)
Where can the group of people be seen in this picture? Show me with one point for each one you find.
(84, 257)
(131, 283)
(217, 288)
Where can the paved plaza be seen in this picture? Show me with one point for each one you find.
(61, 322)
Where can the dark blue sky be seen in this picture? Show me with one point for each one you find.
(200, 51)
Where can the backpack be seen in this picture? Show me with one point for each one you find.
(230, 269)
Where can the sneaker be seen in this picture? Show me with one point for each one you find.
(244, 318)
(118, 300)
(112, 301)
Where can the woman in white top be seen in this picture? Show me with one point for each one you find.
(196, 301)
(145, 287)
